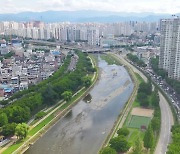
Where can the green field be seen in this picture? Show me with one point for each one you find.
(138, 121)
(110, 59)
(134, 135)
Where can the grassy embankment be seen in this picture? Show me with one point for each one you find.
(51, 118)
(110, 60)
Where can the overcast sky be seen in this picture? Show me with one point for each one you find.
(156, 6)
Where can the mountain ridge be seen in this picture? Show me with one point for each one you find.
(82, 16)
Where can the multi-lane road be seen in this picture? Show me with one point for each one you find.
(166, 123)
(173, 96)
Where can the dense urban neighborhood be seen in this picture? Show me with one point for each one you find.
(88, 86)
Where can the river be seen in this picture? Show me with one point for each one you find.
(85, 127)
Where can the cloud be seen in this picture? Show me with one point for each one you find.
(156, 6)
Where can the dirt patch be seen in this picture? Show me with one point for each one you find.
(142, 112)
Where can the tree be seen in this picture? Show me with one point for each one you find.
(123, 131)
(4, 102)
(143, 99)
(40, 115)
(21, 130)
(138, 147)
(136, 60)
(148, 138)
(174, 147)
(145, 88)
(108, 150)
(145, 102)
(91, 69)
(119, 144)
(158, 71)
(86, 81)
(17, 113)
(156, 123)
(174, 83)
(3, 119)
(9, 129)
(155, 98)
(49, 95)
(67, 95)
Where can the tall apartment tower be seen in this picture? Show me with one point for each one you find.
(170, 47)
(93, 37)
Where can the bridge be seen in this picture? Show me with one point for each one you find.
(41, 42)
(85, 50)
(98, 50)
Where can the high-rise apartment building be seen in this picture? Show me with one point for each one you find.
(170, 47)
(93, 37)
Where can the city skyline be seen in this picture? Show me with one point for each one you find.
(127, 6)
(89, 76)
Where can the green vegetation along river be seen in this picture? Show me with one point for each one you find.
(86, 126)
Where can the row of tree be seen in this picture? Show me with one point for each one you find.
(151, 98)
(144, 92)
(136, 60)
(172, 82)
(174, 147)
(118, 144)
(175, 84)
(156, 69)
(60, 86)
(148, 98)
(151, 134)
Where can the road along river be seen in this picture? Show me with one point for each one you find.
(85, 127)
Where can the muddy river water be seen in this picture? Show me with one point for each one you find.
(85, 127)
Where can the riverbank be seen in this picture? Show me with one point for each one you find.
(51, 119)
(123, 115)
